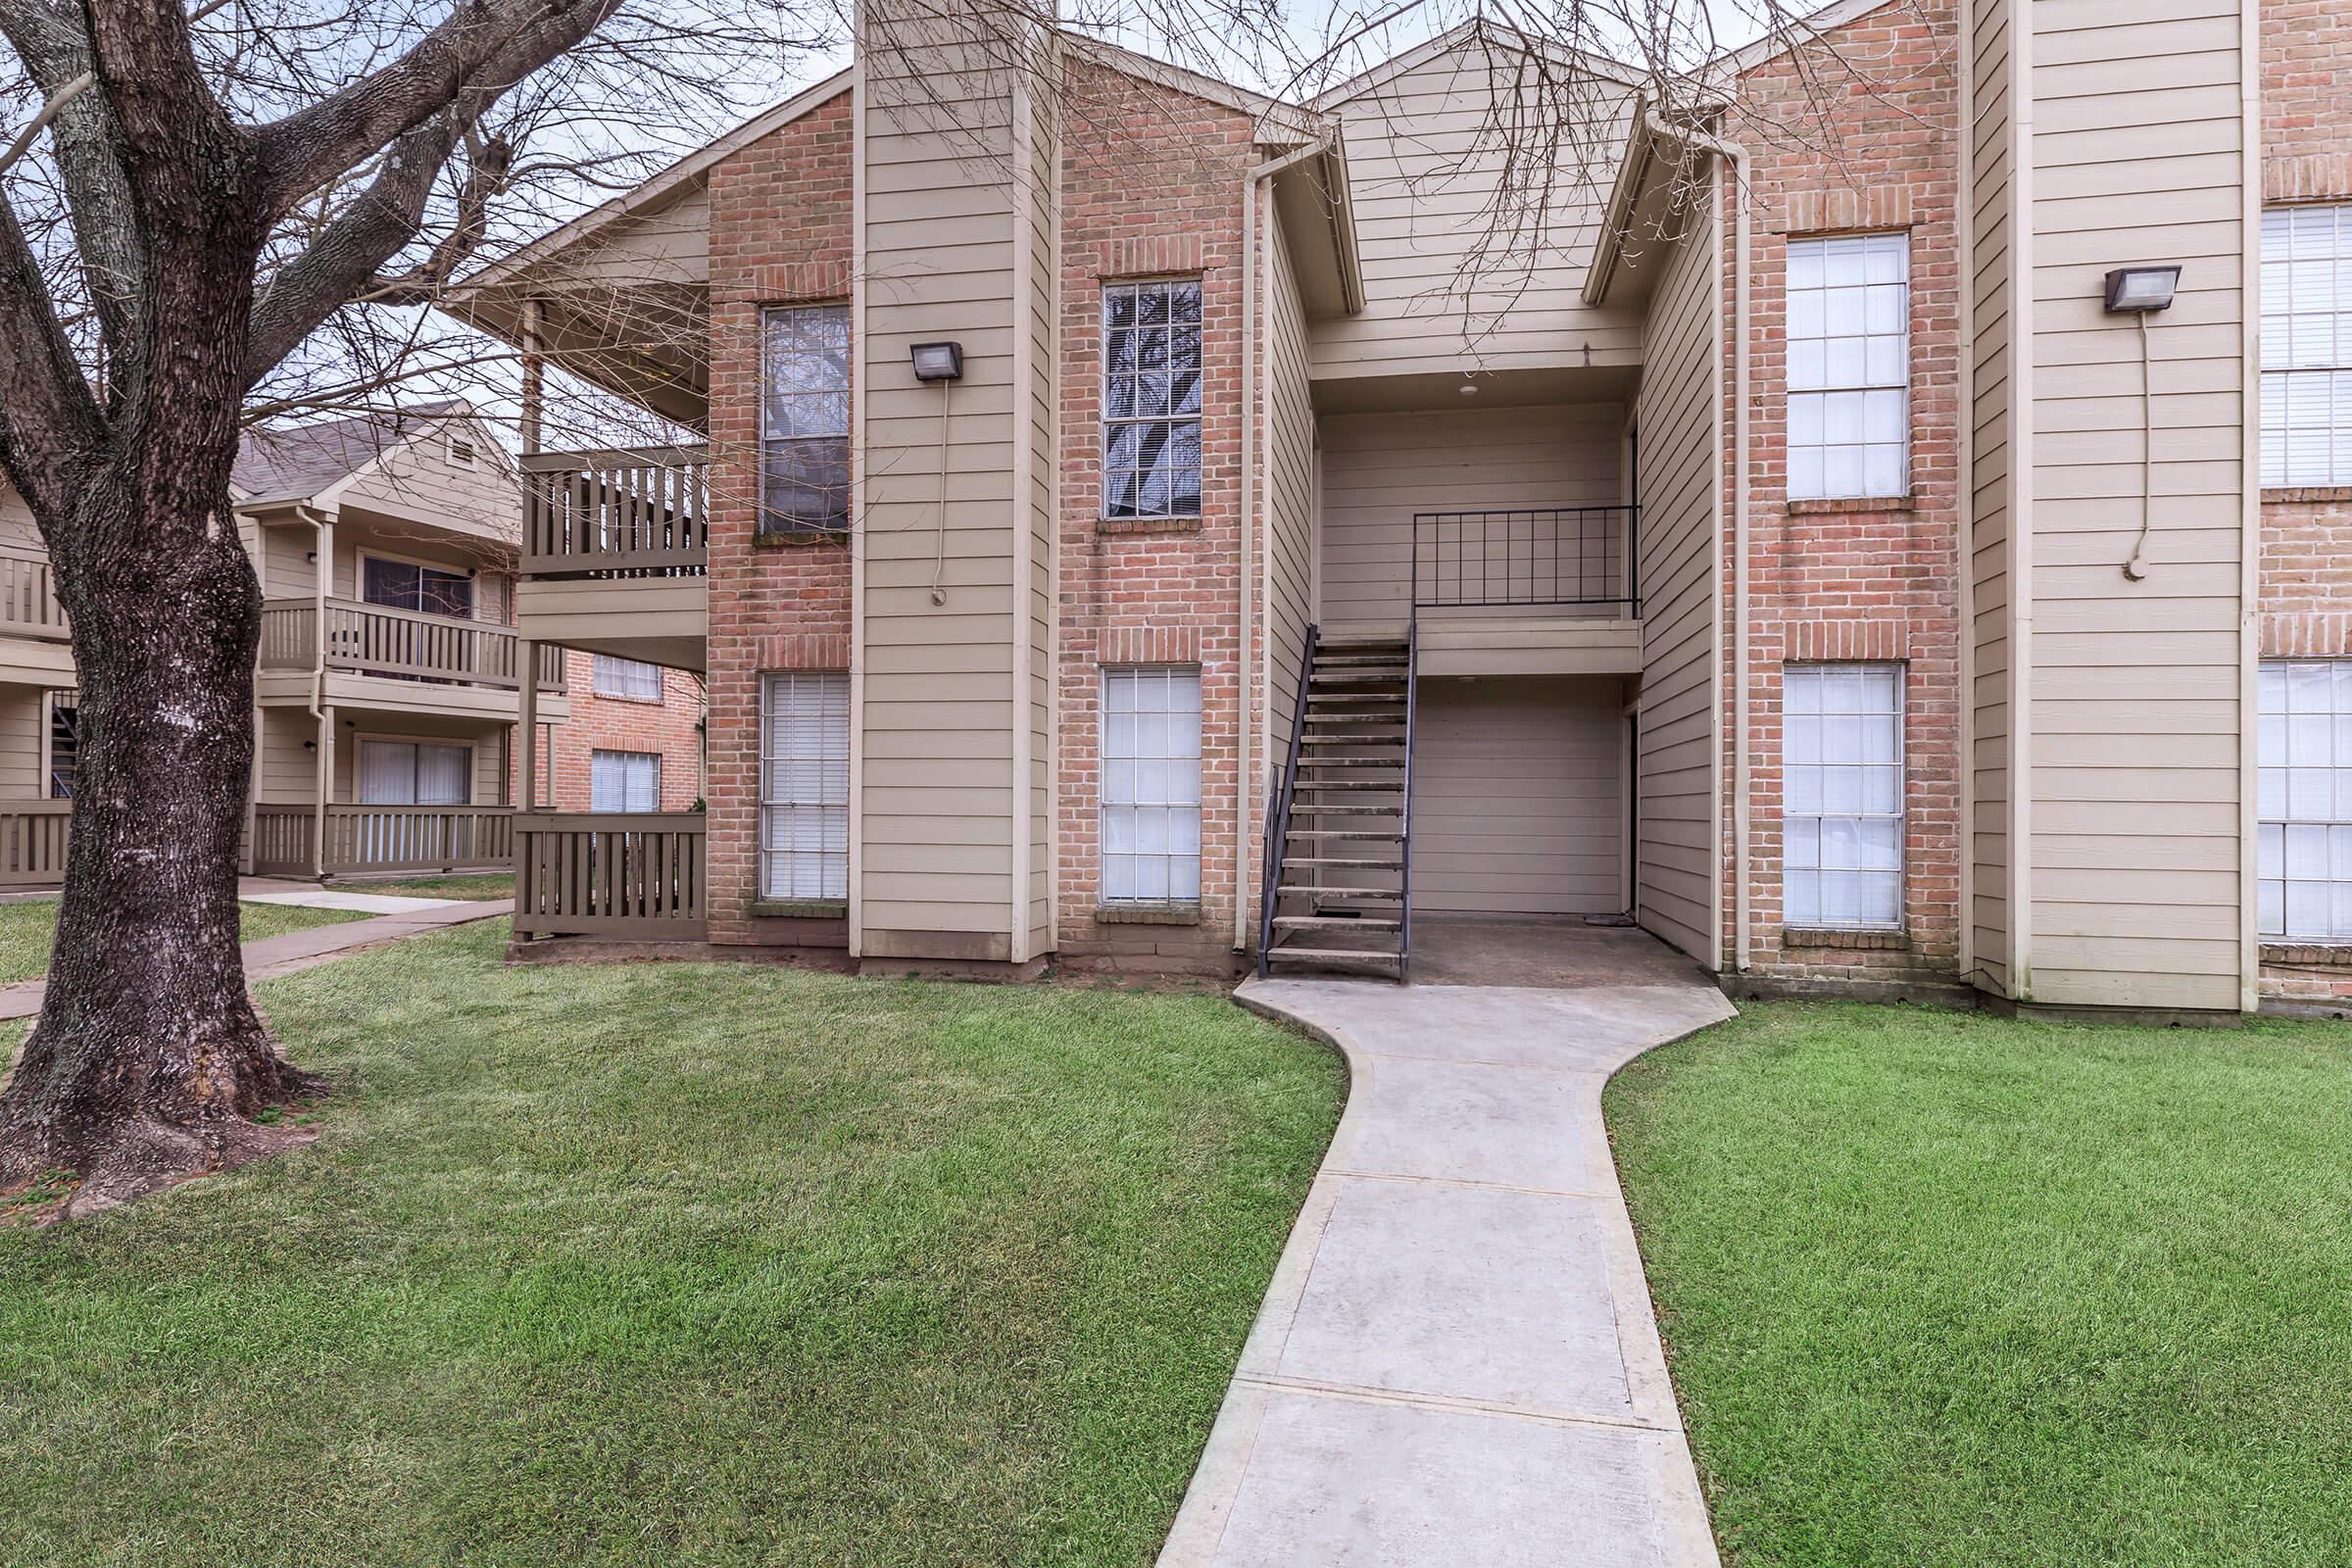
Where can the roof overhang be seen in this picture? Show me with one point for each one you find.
(1317, 212)
(1637, 225)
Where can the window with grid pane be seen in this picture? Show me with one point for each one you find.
(1850, 367)
(624, 781)
(631, 678)
(2304, 789)
(1150, 773)
(1842, 861)
(804, 785)
(1151, 399)
(2307, 345)
(805, 419)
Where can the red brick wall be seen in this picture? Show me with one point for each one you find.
(2306, 582)
(780, 234)
(1150, 187)
(671, 726)
(1853, 580)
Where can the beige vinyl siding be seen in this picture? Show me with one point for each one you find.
(1681, 456)
(1993, 193)
(943, 781)
(417, 482)
(1289, 490)
(23, 716)
(18, 530)
(2150, 673)
(288, 774)
(1381, 468)
(1519, 797)
(1423, 179)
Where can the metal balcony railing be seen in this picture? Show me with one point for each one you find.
(1537, 556)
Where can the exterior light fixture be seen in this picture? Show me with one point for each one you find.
(938, 362)
(2132, 290)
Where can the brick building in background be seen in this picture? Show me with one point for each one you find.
(1125, 467)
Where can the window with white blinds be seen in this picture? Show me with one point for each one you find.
(1842, 861)
(804, 785)
(630, 678)
(2303, 784)
(2307, 345)
(624, 781)
(414, 773)
(1850, 367)
(1150, 786)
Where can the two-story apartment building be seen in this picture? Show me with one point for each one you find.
(390, 680)
(1895, 546)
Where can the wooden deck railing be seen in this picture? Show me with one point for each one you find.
(626, 513)
(28, 606)
(629, 876)
(32, 841)
(377, 641)
(382, 838)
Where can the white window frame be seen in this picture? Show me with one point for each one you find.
(2303, 875)
(1153, 383)
(416, 745)
(805, 800)
(601, 760)
(1843, 793)
(2307, 345)
(628, 680)
(1848, 354)
(1149, 785)
(803, 404)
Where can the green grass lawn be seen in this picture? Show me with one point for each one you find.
(28, 929)
(493, 885)
(1941, 1288)
(671, 1264)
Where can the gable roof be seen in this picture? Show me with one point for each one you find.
(300, 462)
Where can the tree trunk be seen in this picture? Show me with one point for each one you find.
(150, 1062)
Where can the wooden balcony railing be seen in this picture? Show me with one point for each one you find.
(377, 641)
(625, 514)
(629, 876)
(32, 841)
(382, 838)
(28, 606)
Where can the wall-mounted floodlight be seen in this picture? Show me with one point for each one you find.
(2132, 289)
(938, 362)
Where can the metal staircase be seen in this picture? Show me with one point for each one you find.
(1338, 891)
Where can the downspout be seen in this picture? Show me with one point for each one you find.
(1742, 807)
(320, 727)
(1244, 791)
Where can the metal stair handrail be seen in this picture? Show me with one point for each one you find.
(1404, 847)
(1286, 786)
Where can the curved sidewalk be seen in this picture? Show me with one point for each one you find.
(1456, 1362)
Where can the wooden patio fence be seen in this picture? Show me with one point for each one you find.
(32, 843)
(629, 876)
(384, 838)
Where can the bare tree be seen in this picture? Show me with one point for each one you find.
(216, 187)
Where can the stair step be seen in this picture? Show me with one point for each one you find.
(1336, 955)
(1355, 677)
(1383, 722)
(1290, 860)
(1376, 895)
(1352, 762)
(1384, 741)
(1363, 834)
(1351, 700)
(1392, 786)
(1329, 922)
(1347, 811)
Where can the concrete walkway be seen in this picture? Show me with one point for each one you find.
(1457, 1361)
(297, 950)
